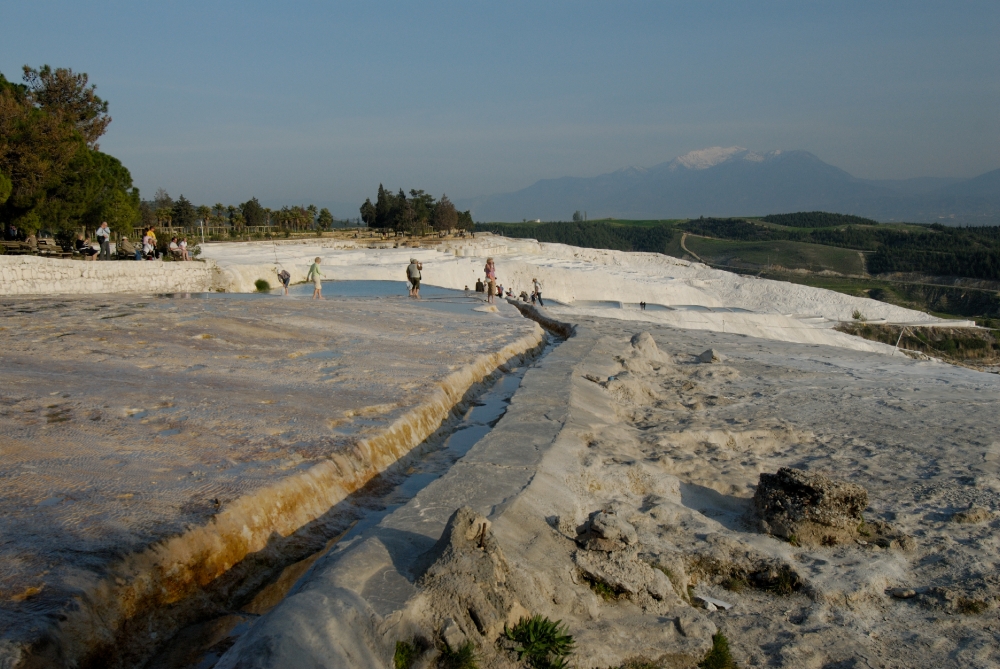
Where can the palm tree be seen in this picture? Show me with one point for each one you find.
(219, 212)
(164, 215)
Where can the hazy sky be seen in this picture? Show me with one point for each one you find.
(320, 101)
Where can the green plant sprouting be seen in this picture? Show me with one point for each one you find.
(719, 657)
(544, 644)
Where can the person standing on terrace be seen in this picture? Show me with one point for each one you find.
(317, 278)
(491, 280)
(104, 239)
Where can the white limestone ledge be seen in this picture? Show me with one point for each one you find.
(31, 275)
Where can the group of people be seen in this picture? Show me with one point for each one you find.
(86, 248)
(178, 248)
(147, 249)
(494, 289)
(413, 278)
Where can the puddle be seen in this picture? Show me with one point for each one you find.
(200, 646)
(432, 297)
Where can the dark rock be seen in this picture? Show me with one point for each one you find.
(793, 496)
(812, 509)
(607, 531)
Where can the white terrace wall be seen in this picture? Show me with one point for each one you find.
(31, 275)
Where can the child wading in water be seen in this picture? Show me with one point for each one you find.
(316, 277)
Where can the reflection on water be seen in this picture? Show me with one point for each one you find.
(433, 297)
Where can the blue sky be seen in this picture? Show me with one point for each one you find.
(318, 102)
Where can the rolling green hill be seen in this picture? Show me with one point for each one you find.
(787, 254)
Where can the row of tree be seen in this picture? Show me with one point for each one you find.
(414, 214)
(163, 210)
(54, 177)
(52, 173)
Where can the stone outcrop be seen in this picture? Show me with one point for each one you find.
(471, 586)
(711, 355)
(812, 509)
(607, 531)
(791, 497)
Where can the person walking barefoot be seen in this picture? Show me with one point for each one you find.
(538, 291)
(317, 276)
(414, 276)
(491, 280)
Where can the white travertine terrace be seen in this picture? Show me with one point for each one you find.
(150, 444)
(33, 275)
(578, 277)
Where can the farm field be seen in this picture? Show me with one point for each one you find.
(791, 255)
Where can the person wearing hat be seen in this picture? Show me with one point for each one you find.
(413, 275)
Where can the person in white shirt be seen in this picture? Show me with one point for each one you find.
(538, 291)
(175, 250)
(104, 238)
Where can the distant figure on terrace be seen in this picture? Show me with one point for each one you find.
(413, 276)
(184, 249)
(285, 277)
(491, 280)
(175, 249)
(84, 247)
(479, 286)
(538, 291)
(316, 276)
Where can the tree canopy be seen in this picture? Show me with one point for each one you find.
(413, 214)
(49, 127)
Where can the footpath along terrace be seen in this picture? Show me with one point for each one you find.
(149, 444)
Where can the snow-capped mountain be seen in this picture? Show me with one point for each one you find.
(735, 181)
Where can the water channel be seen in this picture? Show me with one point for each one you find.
(200, 645)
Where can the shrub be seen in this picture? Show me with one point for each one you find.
(464, 657)
(601, 589)
(543, 643)
(262, 285)
(406, 654)
(970, 607)
(858, 316)
(719, 657)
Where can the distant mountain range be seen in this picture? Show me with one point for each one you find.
(736, 182)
